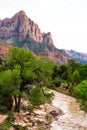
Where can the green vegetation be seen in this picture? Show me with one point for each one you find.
(8, 122)
(24, 75)
(71, 79)
(19, 127)
(36, 96)
(81, 91)
(31, 44)
(48, 117)
(24, 69)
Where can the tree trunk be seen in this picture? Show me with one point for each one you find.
(15, 107)
(18, 102)
(22, 84)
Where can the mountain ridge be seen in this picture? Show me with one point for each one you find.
(78, 56)
(22, 27)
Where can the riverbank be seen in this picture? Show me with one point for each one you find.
(63, 114)
(39, 119)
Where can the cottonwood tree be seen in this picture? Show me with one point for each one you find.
(81, 91)
(20, 62)
(24, 68)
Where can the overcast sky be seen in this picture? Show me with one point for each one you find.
(65, 19)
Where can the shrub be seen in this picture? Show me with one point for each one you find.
(19, 127)
(3, 109)
(36, 96)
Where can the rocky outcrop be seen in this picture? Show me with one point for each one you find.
(56, 55)
(22, 27)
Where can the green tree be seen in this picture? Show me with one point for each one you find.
(59, 75)
(75, 77)
(23, 60)
(36, 96)
(81, 92)
(24, 68)
(9, 86)
(44, 71)
(72, 66)
(83, 71)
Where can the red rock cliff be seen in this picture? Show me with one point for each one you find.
(21, 27)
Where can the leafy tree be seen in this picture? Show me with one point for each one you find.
(55, 72)
(75, 77)
(36, 96)
(44, 71)
(9, 81)
(24, 68)
(64, 72)
(72, 66)
(81, 92)
(23, 60)
(59, 74)
(57, 81)
(83, 71)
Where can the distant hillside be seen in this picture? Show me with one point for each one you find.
(78, 56)
(23, 32)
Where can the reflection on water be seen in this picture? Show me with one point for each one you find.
(73, 118)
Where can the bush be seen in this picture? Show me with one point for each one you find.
(81, 92)
(5, 125)
(36, 96)
(10, 117)
(49, 96)
(48, 117)
(40, 129)
(3, 109)
(8, 122)
(19, 127)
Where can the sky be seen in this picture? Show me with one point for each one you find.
(65, 19)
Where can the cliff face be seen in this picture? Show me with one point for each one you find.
(22, 27)
(23, 32)
(56, 55)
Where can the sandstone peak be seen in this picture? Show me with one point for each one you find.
(22, 27)
(22, 12)
(23, 32)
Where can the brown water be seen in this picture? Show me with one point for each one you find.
(73, 118)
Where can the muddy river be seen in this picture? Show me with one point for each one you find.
(73, 118)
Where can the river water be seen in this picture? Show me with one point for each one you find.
(73, 118)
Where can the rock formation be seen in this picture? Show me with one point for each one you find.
(22, 27)
(23, 32)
